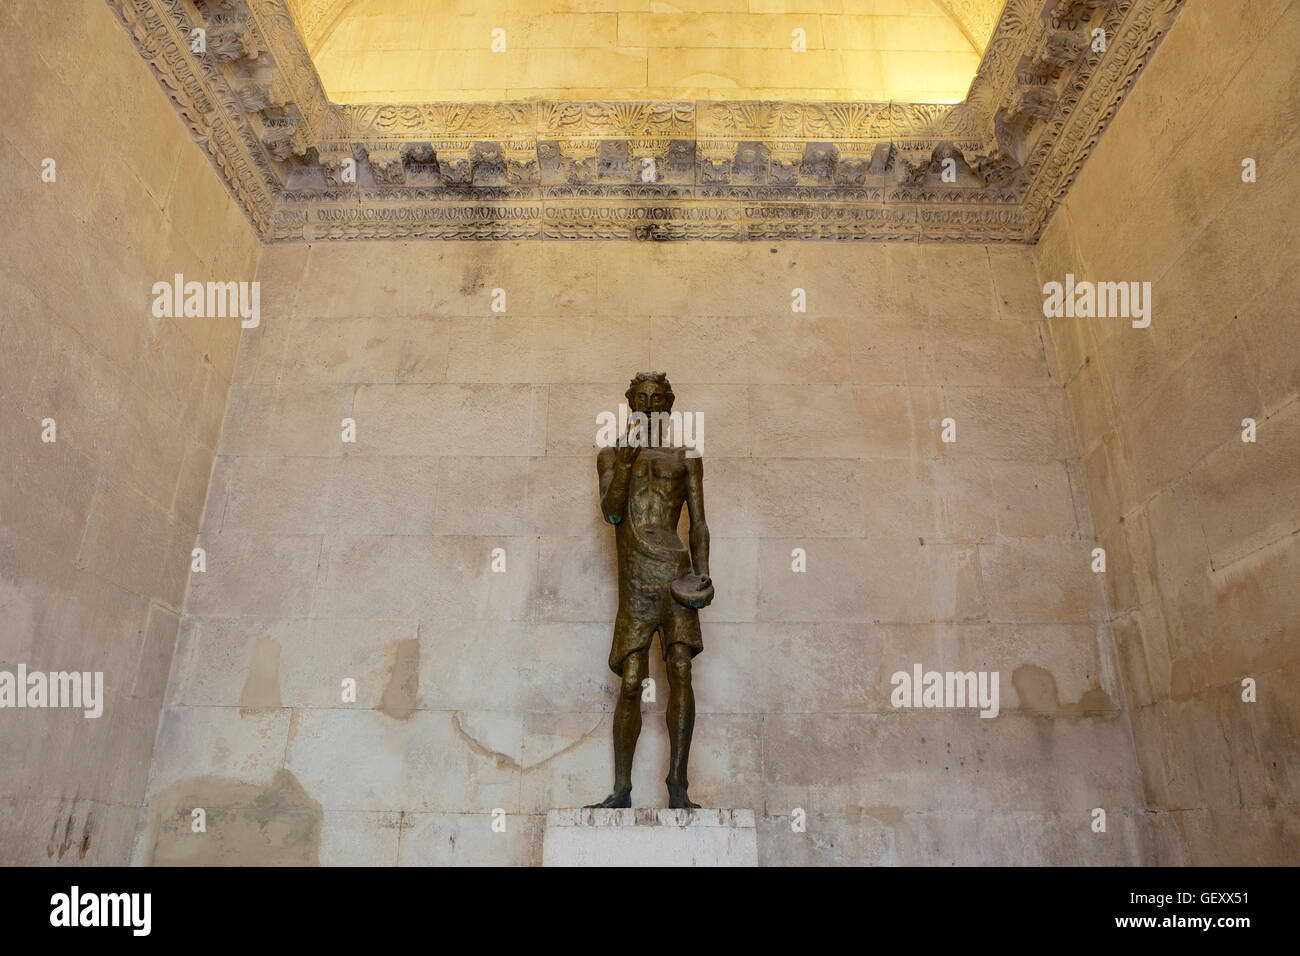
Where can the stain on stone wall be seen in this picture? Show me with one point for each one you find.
(246, 824)
(1036, 688)
(262, 688)
(403, 691)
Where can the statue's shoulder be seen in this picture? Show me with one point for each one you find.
(605, 457)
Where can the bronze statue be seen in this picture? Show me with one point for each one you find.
(661, 585)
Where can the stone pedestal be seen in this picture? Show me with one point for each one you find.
(649, 837)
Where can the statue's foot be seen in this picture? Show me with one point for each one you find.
(619, 799)
(678, 800)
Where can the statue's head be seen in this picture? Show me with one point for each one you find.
(650, 392)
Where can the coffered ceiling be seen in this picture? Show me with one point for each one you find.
(419, 51)
(733, 164)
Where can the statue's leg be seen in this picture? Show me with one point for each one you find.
(627, 718)
(681, 724)
(627, 728)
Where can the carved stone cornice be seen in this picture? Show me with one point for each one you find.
(975, 18)
(991, 168)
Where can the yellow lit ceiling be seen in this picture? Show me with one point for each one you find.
(418, 51)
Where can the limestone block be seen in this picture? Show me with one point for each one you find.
(787, 349)
(892, 350)
(563, 589)
(1033, 498)
(1091, 405)
(271, 420)
(1040, 579)
(926, 760)
(287, 495)
(1267, 835)
(552, 31)
(901, 498)
(1016, 288)
(807, 668)
(1051, 838)
(845, 579)
(155, 655)
(449, 420)
(1253, 603)
(380, 494)
(214, 507)
(1245, 493)
(650, 838)
(978, 352)
(567, 756)
(783, 497)
(570, 417)
(1000, 423)
(554, 69)
(563, 496)
(167, 369)
(1266, 324)
(374, 286)
(745, 68)
(192, 485)
(853, 836)
(1274, 722)
(364, 760)
(523, 349)
(970, 506)
(146, 447)
(733, 565)
(715, 30)
(280, 270)
(469, 839)
(966, 293)
(830, 421)
(1073, 345)
(82, 392)
(378, 349)
(1121, 578)
(568, 759)
(360, 839)
(216, 391)
(1100, 482)
(254, 575)
(406, 576)
(482, 496)
(130, 541)
(1178, 544)
(218, 742)
(80, 602)
(48, 489)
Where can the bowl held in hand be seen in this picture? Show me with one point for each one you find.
(692, 590)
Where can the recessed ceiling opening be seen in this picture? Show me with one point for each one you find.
(420, 51)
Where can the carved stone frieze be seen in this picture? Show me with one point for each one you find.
(991, 168)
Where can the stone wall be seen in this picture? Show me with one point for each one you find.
(1200, 526)
(96, 527)
(372, 560)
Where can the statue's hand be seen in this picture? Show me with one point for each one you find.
(626, 455)
(693, 590)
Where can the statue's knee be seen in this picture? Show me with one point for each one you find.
(679, 669)
(631, 686)
(633, 674)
